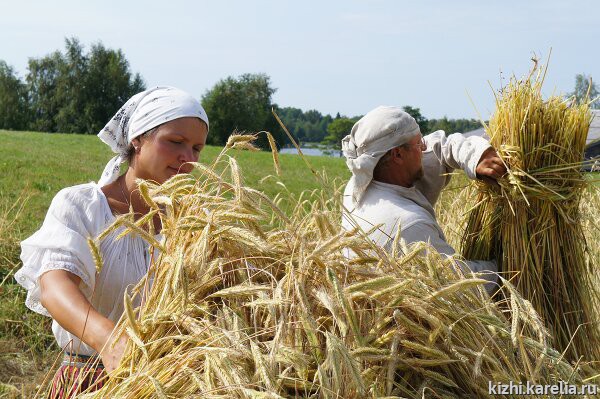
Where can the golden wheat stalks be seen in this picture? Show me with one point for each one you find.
(532, 223)
(249, 302)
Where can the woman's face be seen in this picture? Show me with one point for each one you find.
(165, 153)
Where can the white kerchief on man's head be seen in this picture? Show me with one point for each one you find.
(142, 112)
(371, 137)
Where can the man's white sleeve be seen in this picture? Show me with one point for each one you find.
(443, 155)
(457, 151)
(425, 231)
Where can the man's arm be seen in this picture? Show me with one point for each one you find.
(457, 151)
(474, 155)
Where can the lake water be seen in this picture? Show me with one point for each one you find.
(313, 152)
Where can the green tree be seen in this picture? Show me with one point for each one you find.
(421, 120)
(291, 118)
(75, 92)
(109, 83)
(313, 116)
(337, 130)
(70, 89)
(13, 99)
(453, 125)
(309, 126)
(586, 90)
(241, 104)
(42, 81)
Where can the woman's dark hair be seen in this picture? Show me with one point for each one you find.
(130, 152)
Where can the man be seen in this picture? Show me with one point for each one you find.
(397, 176)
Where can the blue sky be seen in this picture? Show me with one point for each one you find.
(333, 56)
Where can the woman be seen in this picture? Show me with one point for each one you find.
(158, 132)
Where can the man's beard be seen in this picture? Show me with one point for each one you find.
(419, 174)
(416, 176)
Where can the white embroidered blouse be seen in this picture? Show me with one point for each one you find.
(76, 214)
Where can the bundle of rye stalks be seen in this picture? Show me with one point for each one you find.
(248, 301)
(532, 223)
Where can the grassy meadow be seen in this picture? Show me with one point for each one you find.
(38, 165)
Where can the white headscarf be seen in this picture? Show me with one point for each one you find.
(371, 137)
(142, 112)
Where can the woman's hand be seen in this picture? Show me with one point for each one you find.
(113, 351)
(67, 305)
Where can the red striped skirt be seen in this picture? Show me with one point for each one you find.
(73, 378)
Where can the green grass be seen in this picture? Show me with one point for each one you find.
(38, 165)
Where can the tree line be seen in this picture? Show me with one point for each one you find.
(311, 126)
(70, 91)
(74, 91)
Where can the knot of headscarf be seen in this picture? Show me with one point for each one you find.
(142, 112)
(371, 137)
(349, 148)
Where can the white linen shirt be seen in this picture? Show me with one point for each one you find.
(76, 214)
(411, 208)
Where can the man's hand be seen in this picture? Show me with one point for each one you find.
(490, 166)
